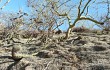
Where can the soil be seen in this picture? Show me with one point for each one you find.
(81, 51)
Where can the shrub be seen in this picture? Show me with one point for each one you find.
(80, 29)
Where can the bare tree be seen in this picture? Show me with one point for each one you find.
(80, 16)
(51, 11)
(46, 17)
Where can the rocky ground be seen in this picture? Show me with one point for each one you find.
(81, 51)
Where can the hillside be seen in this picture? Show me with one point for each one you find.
(81, 51)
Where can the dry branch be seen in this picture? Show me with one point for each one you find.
(5, 4)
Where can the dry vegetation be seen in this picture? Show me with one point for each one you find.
(40, 31)
(48, 16)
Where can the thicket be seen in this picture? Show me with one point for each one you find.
(47, 16)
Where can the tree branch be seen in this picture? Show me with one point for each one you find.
(79, 8)
(5, 4)
(85, 7)
(95, 21)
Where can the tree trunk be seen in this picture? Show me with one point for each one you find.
(69, 31)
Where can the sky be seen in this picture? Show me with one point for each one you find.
(15, 5)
